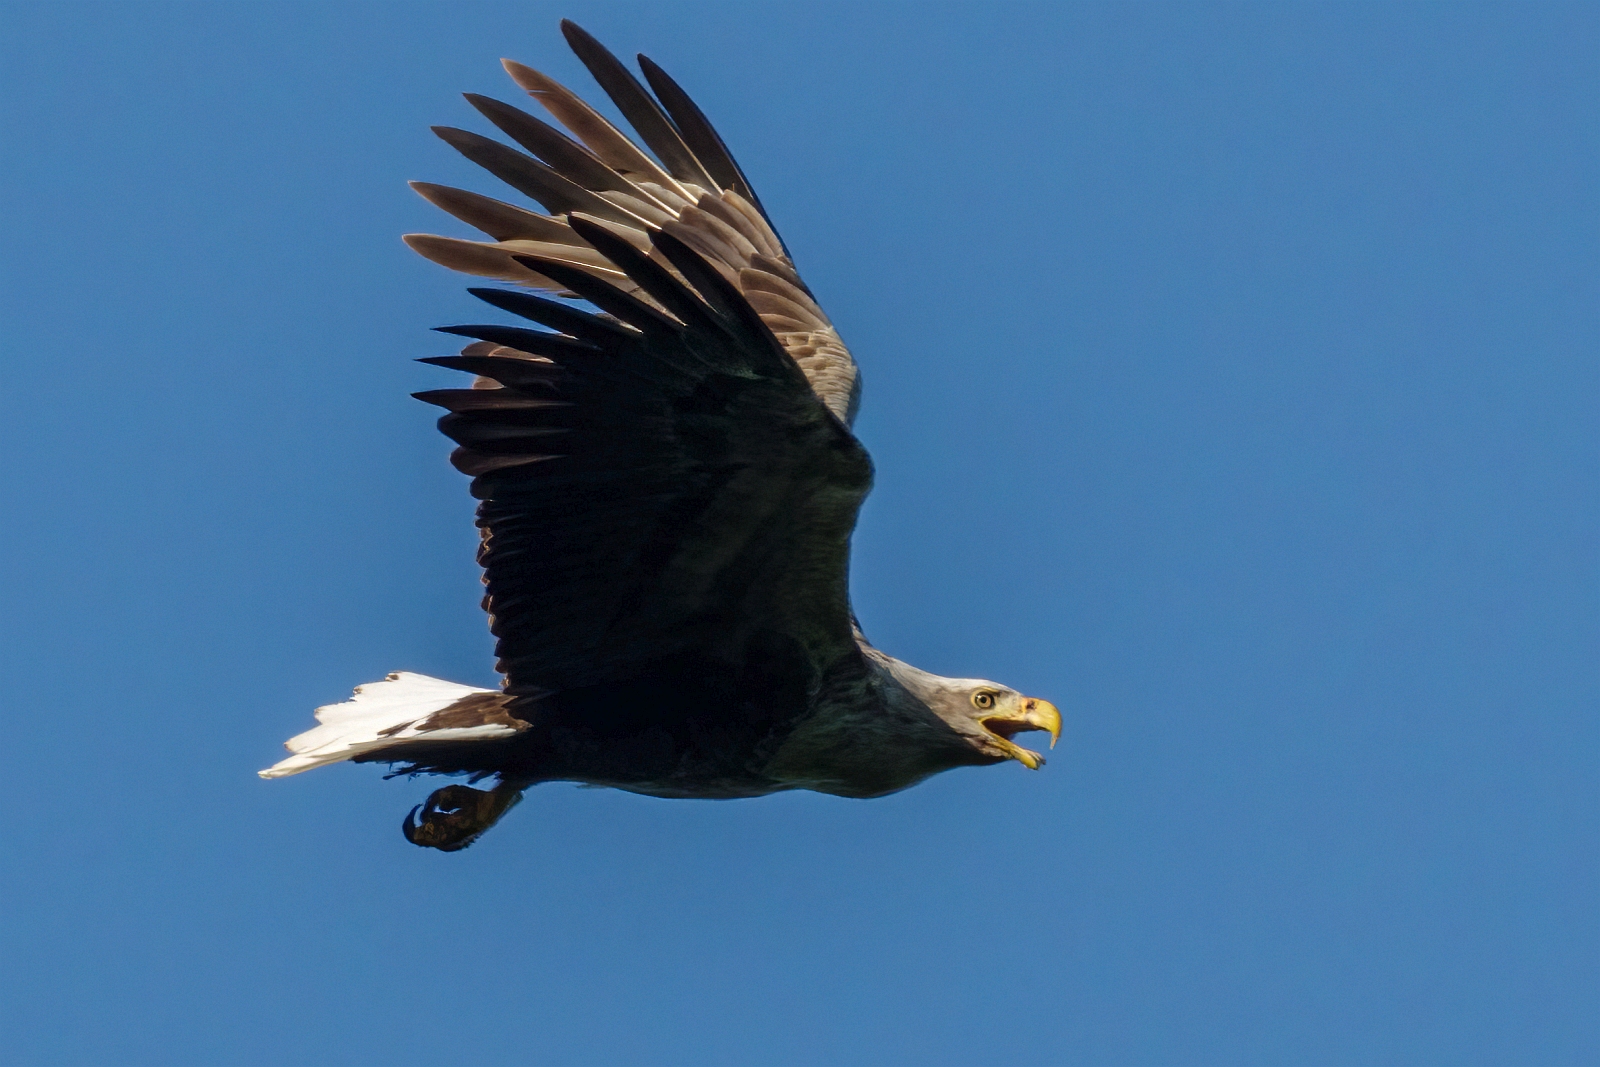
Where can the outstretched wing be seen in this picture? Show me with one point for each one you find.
(657, 481)
(696, 193)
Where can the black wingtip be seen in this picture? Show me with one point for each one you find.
(487, 106)
(702, 138)
(602, 294)
(463, 141)
(698, 133)
(579, 39)
(557, 316)
(641, 109)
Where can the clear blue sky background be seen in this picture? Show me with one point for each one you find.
(1231, 375)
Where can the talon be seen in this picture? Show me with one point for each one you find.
(409, 825)
(455, 816)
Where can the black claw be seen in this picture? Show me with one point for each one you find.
(409, 825)
(454, 817)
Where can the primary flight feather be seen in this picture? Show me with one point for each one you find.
(667, 488)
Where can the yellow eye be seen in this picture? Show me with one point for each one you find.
(983, 700)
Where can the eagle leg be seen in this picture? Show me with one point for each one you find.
(454, 817)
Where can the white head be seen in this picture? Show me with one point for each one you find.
(986, 714)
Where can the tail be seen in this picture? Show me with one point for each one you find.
(401, 710)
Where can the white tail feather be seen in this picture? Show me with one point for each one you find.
(383, 715)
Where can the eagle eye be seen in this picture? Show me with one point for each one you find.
(983, 700)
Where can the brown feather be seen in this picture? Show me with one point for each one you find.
(499, 220)
(592, 128)
(475, 258)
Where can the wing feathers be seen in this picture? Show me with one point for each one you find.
(593, 129)
(697, 194)
(606, 297)
(701, 136)
(495, 399)
(760, 237)
(768, 303)
(682, 482)
(507, 370)
(502, 221)
(637, 106)
(476, 464)
(476, 258)
(735, 249)
(580, 324)
(766, 354)
(654, 279)
(562, 154)
(535, 342)
(529, 176)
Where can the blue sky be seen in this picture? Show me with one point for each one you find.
(1231, 377)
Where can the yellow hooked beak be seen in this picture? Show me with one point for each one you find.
(1031, 713)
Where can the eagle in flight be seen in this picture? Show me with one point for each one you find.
(667, 483)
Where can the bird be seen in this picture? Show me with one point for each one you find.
(667, 484)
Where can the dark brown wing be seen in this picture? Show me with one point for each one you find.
(696, 192)
(657, 480)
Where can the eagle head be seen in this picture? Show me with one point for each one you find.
(986, 715)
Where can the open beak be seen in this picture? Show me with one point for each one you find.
(1031, 714)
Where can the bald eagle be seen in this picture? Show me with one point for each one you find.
(667, 484)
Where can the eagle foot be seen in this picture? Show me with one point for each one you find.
(457, 815)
